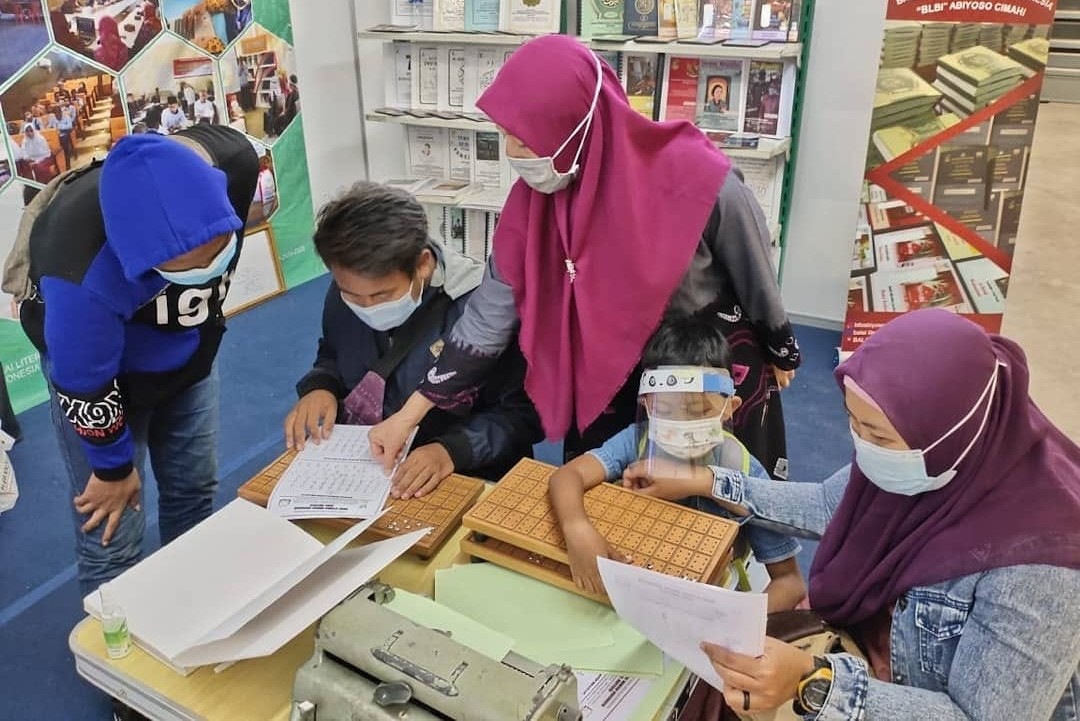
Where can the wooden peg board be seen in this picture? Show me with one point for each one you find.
(441, 509)
(515, 527)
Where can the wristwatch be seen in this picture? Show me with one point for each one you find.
(813, 689)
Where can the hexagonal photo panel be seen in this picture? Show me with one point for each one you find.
(172, 86)
(13, 196)
(61, 113)
(265, 201)
(261, 87)
(110, 33)
(22, 35)
(210, 24)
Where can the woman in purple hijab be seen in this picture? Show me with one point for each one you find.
(950, 548)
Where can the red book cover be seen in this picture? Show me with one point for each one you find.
(680, 100)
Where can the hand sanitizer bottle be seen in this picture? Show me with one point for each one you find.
(114, 624)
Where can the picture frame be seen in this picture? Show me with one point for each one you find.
(258, 276)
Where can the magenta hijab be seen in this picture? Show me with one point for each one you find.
(628, 226)
(1016, 496)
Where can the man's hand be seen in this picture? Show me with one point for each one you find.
(783, 378)
(389, 438)
(669, 480)
(106, 501)
(422, 472)
(584, 545)
(313, 415)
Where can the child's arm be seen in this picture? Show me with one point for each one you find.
(584, 544)
(786, 586)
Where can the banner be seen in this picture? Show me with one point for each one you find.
(76, 77)
(950, 139)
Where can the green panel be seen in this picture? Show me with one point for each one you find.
(806, 32)
(294, 220)
(274, 16)
(22, 367)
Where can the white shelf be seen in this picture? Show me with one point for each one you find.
(1061, 44)
(771, 51)
(767, 148)
(456, 124)
(418, 36)
(1067, 15)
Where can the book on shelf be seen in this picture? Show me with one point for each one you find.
(443, 191)
(896, 140)
(666, 25)
(419, 14)
(1016, 124)
(1008, 168)
(641, 80)
(448, 16)
(475, 243)
(613, 58)
(641, 18)
(720, 94)
(397, 73)
(429, 152)
(773, 19)
(425, 78)
(1033, 54)
(901, 97)
(490, 169)
(686, 19)
(530, 17)
(765, 179)
(462, 150)
(680, 88)
(601, 17)
(454, 71)
(481, 15)
(770, 97)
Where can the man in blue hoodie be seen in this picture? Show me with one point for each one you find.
(130, 263)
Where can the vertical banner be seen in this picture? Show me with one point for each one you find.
(75, 77)
(950, 139)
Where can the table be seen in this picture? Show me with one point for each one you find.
(253, 689)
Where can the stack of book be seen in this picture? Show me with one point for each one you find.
(901, 45)
(1016, 33)
(934, 42)
(992, 35)
(964, 36)
(1040, 31)
(974, 78)
(1033, 54)
(901, 97)
(896, 140)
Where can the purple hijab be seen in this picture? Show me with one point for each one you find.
(1015, 499)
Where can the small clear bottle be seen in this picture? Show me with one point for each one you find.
(114, 624)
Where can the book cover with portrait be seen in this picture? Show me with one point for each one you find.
(720, 94)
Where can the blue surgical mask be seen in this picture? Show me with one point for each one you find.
(202, 276)
(389, 315)
(904, 472)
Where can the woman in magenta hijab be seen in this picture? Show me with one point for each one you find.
(111, 52)
(614, 219)
(950, 548)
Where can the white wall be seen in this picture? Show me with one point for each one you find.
(837, 103)
(326, 69)
(835, 128)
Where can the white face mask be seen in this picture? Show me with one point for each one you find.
(389, 315)
(201, 276)
(687, 440)
(904, 472)
(540, 173)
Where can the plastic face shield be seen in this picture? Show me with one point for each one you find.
(682, 413)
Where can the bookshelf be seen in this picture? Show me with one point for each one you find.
(1062, 80)
(416, 136)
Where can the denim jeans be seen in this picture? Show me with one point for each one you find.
(180, 437)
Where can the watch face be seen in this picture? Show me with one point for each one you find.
(814, 693)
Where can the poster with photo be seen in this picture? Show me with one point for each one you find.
(950, 136)
(76, 77)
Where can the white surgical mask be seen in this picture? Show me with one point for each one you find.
(388, 315)
(687, 440)
(904, 472)
(540, 173)
(201, 276)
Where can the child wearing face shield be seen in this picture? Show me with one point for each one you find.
(686, 399)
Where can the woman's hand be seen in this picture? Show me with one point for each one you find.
(771, 680)
(584, 545)
(783, 378)
(669, 480)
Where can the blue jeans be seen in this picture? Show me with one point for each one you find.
(180, 436)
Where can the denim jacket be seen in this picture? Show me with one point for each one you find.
(1002, 644)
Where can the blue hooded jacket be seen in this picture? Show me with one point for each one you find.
(114, 333)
